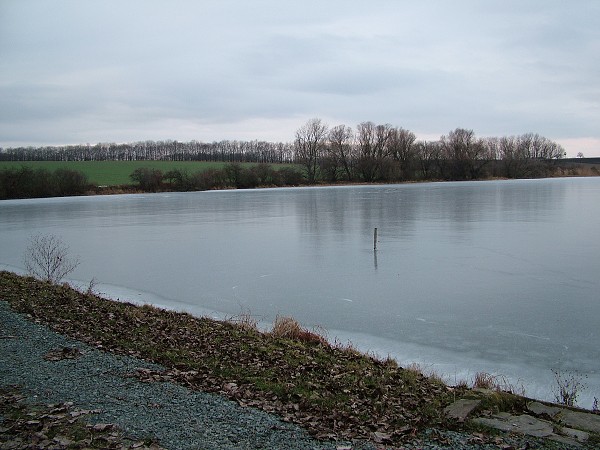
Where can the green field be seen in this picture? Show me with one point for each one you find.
(114, 173)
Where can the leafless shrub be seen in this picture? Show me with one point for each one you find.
(321, 331)
(244, 320)
(414, 367)
(91, 289)
(389, 361)
(595, 407)
(462, 384)
(484, 380)
(568, 386)
(47, 258)
(347, 346)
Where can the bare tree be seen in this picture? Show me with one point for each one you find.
(310, 143)
(47, 258)
(465, 153)
(373, 148)
(402, 150)
(428, 154)
(527, 155)
(513, 156)
(340, 148)
(539, 147)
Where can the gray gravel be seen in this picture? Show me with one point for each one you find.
(174, 416)
(177, 417)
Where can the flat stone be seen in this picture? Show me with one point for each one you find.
(524, 424)
(528, 425)
(577, 434)
(460, 409)
(583, 421)
(565, 440)
(575, 419)
(539, 409)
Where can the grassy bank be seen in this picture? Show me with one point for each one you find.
(331, 391)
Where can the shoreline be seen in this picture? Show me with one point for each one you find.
(111, 326)
(453, 367)
(130, 189)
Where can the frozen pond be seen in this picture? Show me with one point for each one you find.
(497, 276)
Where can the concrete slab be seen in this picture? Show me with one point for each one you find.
(539, 409)
(575, 419)
(460, 409)
(524, 424)
(572, 443)
(583, 421)
(577, 434)
(532, 426)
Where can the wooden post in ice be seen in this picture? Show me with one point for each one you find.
(375, 239)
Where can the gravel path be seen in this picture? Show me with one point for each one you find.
(174, 416)
(178, 417)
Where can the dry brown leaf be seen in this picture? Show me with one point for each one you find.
(102, 427)
(63, 353)
(381, 438)
(63, 440)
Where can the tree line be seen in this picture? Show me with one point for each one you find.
(373, 153)
(367, 153)
(223, 151)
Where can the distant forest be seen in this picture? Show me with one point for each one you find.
(367, 153)
(223, 151)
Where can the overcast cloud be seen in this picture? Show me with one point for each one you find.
(121, 71)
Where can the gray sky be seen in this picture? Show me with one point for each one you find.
(120, 71)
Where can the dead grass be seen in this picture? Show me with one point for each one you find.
(498, 383)
(427, 372)
(288, 328)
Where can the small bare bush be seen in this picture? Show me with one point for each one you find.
(390, 362)
(244, 320)
(414, 367)
(347, 346)
(461, 384)
(47, 258)
(484, 380)
(91, 289)
(568, 386)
